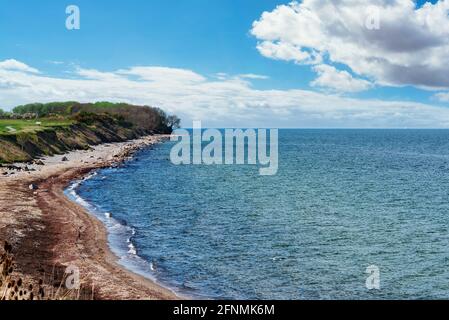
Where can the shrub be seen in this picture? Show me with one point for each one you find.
(144, 117)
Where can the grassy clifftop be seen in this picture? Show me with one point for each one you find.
(27, 134)
(18, 125)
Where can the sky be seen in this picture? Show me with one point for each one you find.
(233, 63)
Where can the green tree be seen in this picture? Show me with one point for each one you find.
(173, 122)
(148, 118)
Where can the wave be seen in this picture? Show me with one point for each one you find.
(120, 235)
(132, 249)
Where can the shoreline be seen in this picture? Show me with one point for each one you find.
(47, 229)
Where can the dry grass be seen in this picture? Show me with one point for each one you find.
(13, 287)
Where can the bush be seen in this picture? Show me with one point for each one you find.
(143, 117)
(3, 114)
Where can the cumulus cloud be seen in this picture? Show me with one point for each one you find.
(226, 102)
(286, 51)
(341, 81)
(410, 47)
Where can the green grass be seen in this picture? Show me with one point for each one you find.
(8, 126)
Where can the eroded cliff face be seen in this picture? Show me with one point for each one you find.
(26, 146)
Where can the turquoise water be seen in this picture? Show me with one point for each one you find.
(342, 200)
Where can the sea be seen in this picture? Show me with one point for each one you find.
(350, 214)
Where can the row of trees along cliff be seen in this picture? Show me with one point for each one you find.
(34, 130)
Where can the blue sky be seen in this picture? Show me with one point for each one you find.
(205, 37)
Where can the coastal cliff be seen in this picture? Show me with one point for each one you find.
(26, 146)
(50, 129)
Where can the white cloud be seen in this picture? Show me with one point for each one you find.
(340, 81)
(246, 76)
(97, 75)
(14, 65)
(442, 96)
(221, 76)
(411, 47)
(231, 102)
(163, 74)
(283, 51)
(253, 76)
(55, 62)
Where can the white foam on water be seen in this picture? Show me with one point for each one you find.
(132, 249)
(120, 235)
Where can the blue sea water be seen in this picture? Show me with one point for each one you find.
(342, 200)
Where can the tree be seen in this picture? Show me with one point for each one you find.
(4, 114)
(173, 122)
(148, 118)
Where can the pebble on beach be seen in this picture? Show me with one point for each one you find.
(33, 187)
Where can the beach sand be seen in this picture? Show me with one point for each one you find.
(47, 230)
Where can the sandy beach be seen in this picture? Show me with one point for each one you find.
(49, 231)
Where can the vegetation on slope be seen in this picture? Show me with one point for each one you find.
(14, 287)
(35, 130)
(19, 125)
